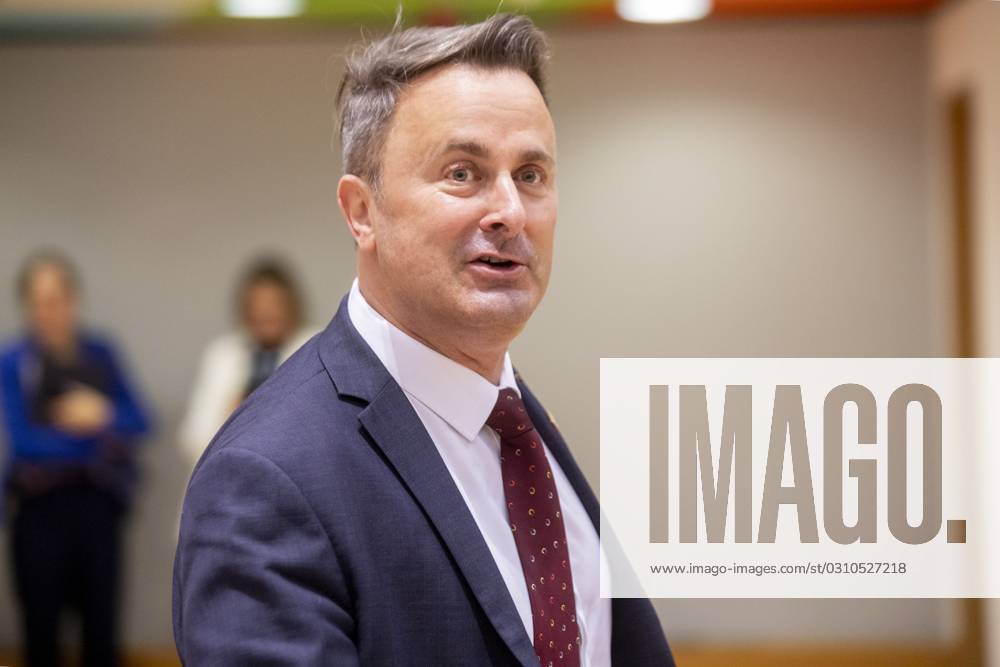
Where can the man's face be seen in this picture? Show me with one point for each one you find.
(464, 224)
(50, 307)
(268, 314)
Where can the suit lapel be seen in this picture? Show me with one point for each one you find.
(398, 432)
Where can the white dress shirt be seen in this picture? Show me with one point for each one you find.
(453, 402)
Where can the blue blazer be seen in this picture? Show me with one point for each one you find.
(47, 448)
(321, 527)
(38, 442)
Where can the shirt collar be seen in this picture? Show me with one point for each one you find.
(456, 394)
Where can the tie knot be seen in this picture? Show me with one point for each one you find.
(509, 417)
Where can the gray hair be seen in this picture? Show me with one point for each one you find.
(376, 73)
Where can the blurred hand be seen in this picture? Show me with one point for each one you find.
(81, 412)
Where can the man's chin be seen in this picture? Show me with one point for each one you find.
(506, 309)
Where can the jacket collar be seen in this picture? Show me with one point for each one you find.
(357, 374)
(394, 426)
(461, 397)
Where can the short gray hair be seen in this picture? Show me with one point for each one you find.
(376, 73)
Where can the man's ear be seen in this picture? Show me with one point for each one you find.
(356, 201)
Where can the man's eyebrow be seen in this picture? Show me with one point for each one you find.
(536, 155)
(476, 149)
(473, 148)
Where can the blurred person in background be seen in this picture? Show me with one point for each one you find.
(72, 421)
(270, 310)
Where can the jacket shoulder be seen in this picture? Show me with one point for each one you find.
(98, 344)
(289, 412)
(11, 350)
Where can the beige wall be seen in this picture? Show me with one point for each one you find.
(965, 56)
(730, 189)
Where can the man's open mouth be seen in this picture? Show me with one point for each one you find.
(497, 262)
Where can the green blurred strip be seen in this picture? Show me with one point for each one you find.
(422, 11)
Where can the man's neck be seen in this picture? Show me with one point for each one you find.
(486, 360)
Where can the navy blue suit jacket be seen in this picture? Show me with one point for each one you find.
(321, 527)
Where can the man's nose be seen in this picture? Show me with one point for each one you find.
(506, 208)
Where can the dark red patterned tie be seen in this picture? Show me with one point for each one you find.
(537, 523)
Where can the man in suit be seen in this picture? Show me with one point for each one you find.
(394, 494)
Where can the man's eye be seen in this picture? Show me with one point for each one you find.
(461, 174)
(531, 176)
